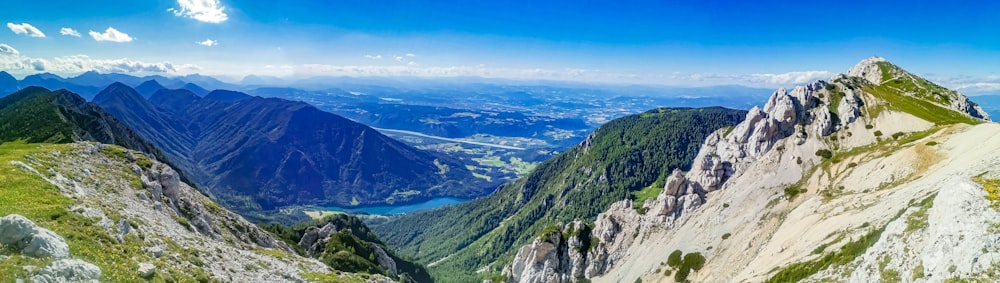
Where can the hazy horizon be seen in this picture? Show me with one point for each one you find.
(765, 45)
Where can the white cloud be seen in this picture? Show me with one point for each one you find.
(412, 64)
(754, 80)
(111, 34)
(26, 29)
(411, 55)
(978, 88)
(969, 85)
(400, 58)
(208, 42)
(373, 57)
(12, 61)
(6, 50)
(69, 32)
(790, 77)
(209, 11)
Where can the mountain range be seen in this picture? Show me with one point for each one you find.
(104, 181)
(38, 115)
(258, 154)
(88, 84)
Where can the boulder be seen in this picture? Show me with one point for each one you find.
(45, 243)
(31, 240)
(68, 270)
(14, 228)
(146, 270)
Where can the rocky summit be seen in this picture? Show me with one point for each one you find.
(874, 175)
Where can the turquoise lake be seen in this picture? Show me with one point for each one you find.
(389, 210)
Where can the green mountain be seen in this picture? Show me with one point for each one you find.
(37, 115)
(625, 157)
(263, 154)
(345, 243)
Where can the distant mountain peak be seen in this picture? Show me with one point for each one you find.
(148, 88)
(200, 91)
(117, 86)
(227, 95)
(33, 89)
(118, 91)
(151, 83)
(8, 83)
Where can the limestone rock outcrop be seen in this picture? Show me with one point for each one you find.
(314, 239)
(563, 255)
(868, 69)
(30, 239)
(68, 270)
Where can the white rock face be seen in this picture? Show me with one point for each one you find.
(537, 263)
(768, 232)
(953, 237)
(32, 240)
(736, 190)
(868, 69)
(68, 270)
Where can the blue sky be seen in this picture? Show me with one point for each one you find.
(757, 43)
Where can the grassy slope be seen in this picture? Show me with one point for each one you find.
(24, 193)
(905, 92)
(29, 195)
(624, 156)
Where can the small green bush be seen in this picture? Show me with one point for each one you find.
(726, 236)
(824, 153)
(674, 260)
(681, 275)
(694, 261)
(878, 133)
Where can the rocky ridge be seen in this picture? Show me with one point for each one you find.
(169, 230)
(756, 168)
